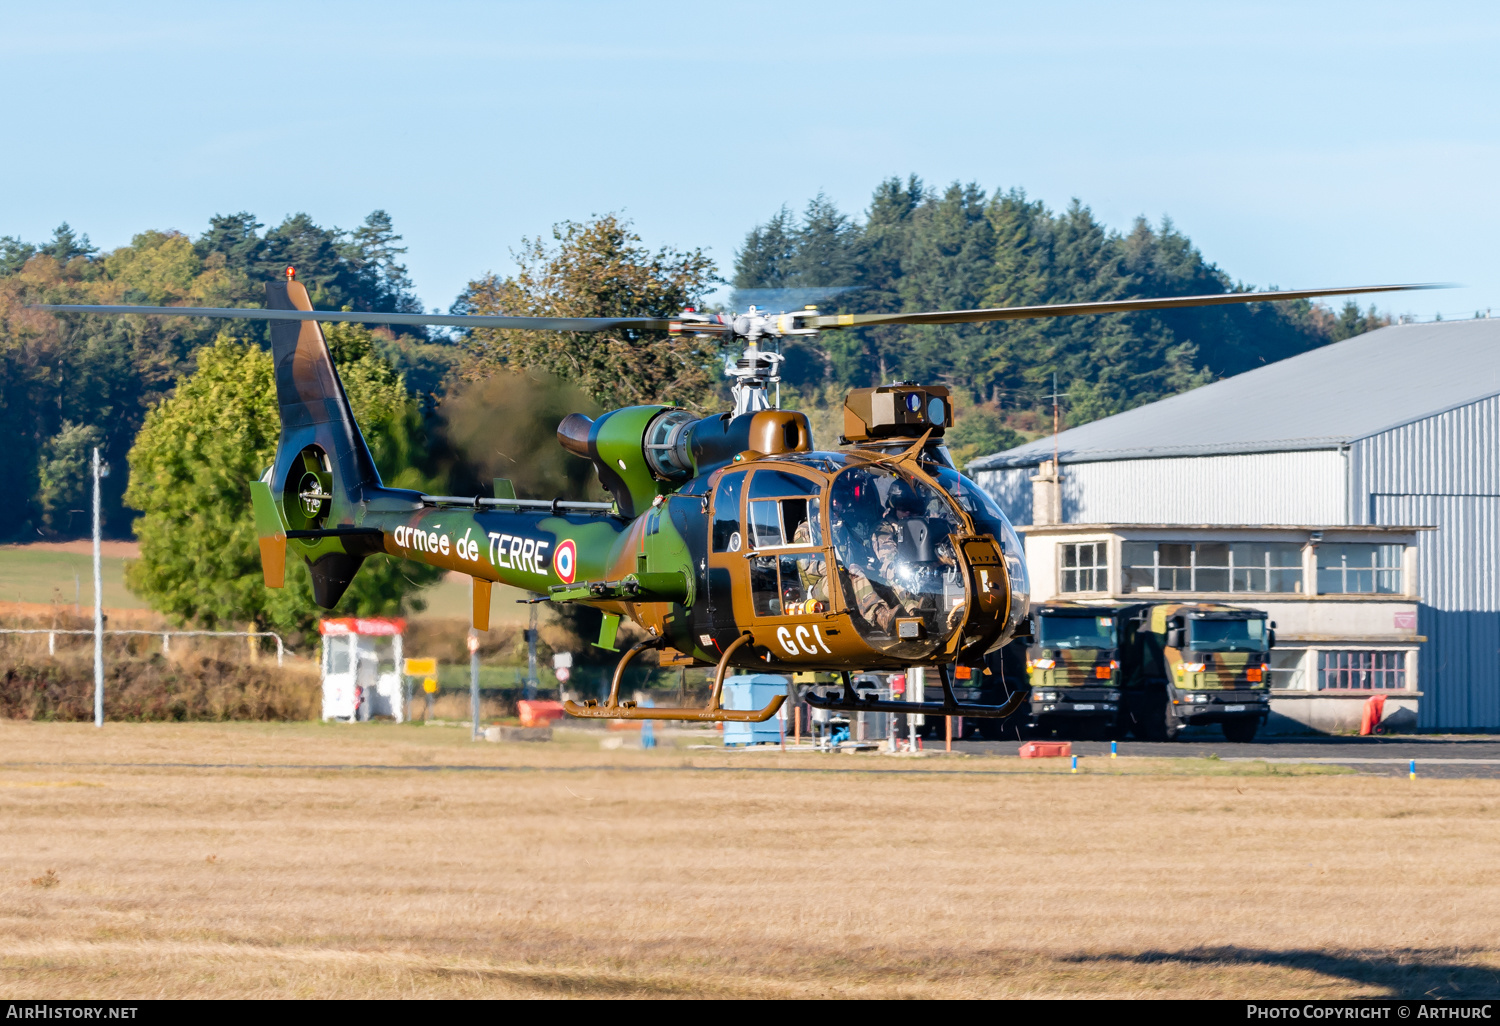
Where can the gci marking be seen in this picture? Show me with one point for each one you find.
(804, 636)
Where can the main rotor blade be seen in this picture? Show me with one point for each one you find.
(690, 325)
(369, 317)
(1017, 313)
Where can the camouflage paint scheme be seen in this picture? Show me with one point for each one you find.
(646, 559)
(1090, 677)
(1221, 670)
(1162, 692)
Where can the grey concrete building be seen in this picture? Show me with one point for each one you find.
(1398, 428)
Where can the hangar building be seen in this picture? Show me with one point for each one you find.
(1362, 474)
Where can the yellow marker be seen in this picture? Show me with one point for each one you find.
(420, 667)
(430, 685)
(846, 319)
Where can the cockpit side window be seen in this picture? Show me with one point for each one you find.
(767, 484)
(726, 525)
(781, 522)
(784, 511)
(765, 524)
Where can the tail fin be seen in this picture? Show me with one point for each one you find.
(323, 468)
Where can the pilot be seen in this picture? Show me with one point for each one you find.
(880, 600)
(811, 569)
(901, 504)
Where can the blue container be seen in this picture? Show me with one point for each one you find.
(752, 691)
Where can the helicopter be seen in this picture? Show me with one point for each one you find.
(728, 539)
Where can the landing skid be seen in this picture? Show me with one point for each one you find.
(852, 701)
(613, 709)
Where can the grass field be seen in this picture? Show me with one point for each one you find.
(254, 867)
(63, 573)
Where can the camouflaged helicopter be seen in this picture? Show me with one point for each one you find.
(728, 539)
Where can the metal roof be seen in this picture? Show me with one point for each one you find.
(1321, 399)
(1040, 529)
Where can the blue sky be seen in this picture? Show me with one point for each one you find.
(1297, 144)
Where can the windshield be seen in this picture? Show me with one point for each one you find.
(1228, 635)
(1072, 631)
(896, 561)
(989, 519)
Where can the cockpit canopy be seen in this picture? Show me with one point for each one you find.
(894, 537)
(890, 532)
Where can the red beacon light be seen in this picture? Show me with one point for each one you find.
(291, 272)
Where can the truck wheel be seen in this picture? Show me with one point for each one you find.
(1241, 730)
(1170, 728)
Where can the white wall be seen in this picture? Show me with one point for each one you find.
(1256, 488)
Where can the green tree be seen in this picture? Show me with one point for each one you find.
(60, 375)
(599, 268)
(190, 470)
(923, 249)
(979, 431)
(65, 489)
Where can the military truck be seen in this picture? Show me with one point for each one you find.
(1197, 663)
(1075, 667)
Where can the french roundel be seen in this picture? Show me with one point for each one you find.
(565, 561)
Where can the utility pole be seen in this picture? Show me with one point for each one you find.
(1056, 418)
(531, 681)
(474, 680)
(99, 472)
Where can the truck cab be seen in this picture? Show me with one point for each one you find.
(1075, 666)
(1199, 663)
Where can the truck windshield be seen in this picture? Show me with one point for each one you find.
(1228, 635)
(1057, 631)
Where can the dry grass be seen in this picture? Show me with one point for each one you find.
(621, 873)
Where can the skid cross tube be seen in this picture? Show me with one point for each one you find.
(851, 701)
(613, 710)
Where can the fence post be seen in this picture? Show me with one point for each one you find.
(166, 644)
(51, 643)
(280, 649)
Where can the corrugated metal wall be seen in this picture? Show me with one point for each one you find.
(1257, 488)
(1452, 453)
(1460, 611)
(1011, 489)
(1444, 471)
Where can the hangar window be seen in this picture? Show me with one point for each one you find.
(1085, 566)
(1359, 569)
(1274, 567)
(1362, 670)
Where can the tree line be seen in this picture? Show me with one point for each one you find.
(177, 403)
(918, 248)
